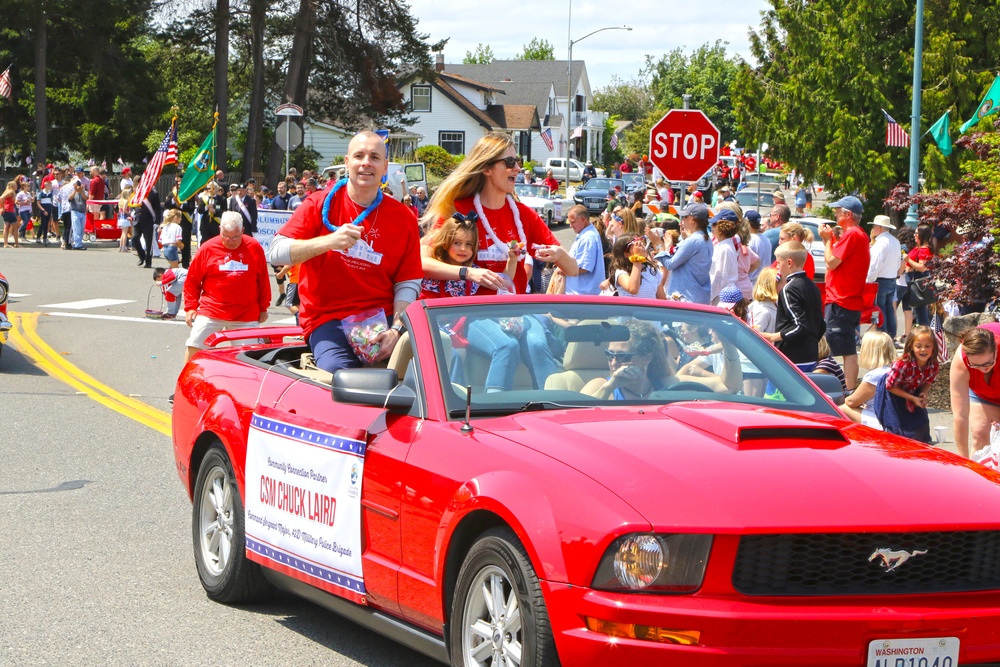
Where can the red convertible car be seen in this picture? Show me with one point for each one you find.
(585, 481)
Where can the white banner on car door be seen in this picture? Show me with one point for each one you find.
(303, 501)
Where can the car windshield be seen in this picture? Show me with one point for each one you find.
(602, 184)
(538, 355)
(749, 198)
(632, 179)
(763, 178)
(525, 190)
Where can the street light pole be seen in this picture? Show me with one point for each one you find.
(918, 56)
(569, 83)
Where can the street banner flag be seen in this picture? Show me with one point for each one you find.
(940, 132)
(5, 88)
(987, 107)
(153, 168)
(894, 134)
(201, 170)
(614, 141)
(547, 138)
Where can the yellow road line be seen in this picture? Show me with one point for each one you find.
(25, 338)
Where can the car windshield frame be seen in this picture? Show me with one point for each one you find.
(532, 186)
(587, 323)
(602, 184)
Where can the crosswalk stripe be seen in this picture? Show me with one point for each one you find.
(88, 303)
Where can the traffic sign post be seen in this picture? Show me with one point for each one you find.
(684, 145)
(287, 112)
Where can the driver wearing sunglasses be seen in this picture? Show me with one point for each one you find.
(639, 366)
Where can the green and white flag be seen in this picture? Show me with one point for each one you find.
(941, 134)
(989, 106)
(201, 170)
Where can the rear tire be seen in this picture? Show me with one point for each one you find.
(498, 614)
(226, 574)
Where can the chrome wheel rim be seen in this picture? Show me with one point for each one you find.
(491, 620)
(215, 521)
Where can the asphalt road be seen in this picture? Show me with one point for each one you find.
(96, 562)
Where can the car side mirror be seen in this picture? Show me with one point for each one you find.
(374, 387)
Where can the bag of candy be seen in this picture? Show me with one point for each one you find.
(361, 330)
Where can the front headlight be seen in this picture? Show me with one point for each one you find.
(654, 563)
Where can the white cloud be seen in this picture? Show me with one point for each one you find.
(657, 29)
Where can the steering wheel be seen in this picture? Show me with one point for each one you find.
(688, 385)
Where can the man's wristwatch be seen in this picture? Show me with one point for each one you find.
(463, 273)
(398, 328)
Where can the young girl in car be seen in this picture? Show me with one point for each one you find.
(456, 242)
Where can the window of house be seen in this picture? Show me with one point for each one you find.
(453, 142)
(420, 98)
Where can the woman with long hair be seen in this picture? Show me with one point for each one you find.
(918, 265)
(482, 188)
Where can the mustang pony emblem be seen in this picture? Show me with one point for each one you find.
(890, 559)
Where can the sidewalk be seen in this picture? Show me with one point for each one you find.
(946, 419)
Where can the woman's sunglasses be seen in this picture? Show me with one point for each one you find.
(509, 162)
(617, 218)
(620, 357)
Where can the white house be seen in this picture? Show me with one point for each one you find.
(545, 84)
(516, 96)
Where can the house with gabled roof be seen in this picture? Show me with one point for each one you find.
(520, 97)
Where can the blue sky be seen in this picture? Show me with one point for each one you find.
(657, 28)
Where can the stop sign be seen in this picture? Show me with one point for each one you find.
(684, 145)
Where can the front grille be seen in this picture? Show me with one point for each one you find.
(838, 564)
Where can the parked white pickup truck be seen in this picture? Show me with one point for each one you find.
(558, 167)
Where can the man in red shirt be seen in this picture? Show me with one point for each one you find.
(359, 251)
(846, 270)
(228, 285)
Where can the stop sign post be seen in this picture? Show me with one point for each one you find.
(684, 145)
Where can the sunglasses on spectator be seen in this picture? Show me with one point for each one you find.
(616, 218)
(509, 162)
(620, 357)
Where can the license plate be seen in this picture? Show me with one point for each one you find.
(929, 652)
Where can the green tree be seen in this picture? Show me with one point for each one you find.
(706, 74)
(482, 55)
(537, 49)
(821, 81)
(630, 100)
(94, 94)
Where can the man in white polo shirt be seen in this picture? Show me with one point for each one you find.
(883, 268)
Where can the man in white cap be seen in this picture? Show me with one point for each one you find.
(883, 268)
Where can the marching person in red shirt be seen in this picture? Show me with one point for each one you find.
(228, 285)
(359, 250)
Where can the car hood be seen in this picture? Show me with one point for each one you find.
(725, 468)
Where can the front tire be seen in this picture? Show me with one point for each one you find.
(498, 614)
(219, 541)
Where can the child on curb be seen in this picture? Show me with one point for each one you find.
(828, 365)
(170, 237)
(912, 375)
(124, 218)
(799, 322)
(172, 285)
(901, 396)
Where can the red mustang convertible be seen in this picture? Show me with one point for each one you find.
(584, 481)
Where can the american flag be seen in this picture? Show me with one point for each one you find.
(942, 342)
(162, 156)
(614, 141)
(5, 88)
(547, 138)
(894, 134)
